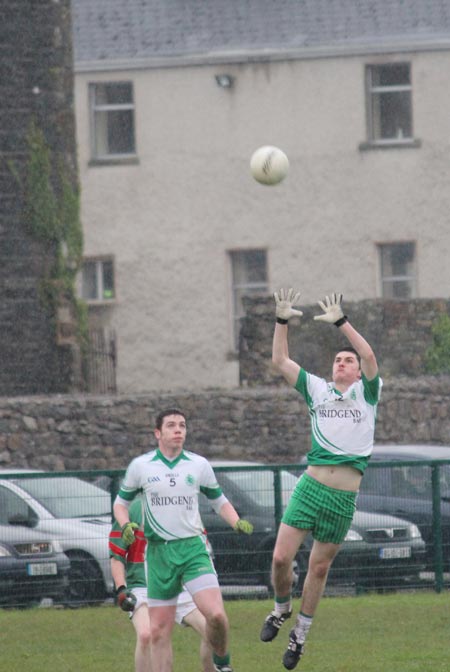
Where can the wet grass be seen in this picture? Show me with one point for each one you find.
(392, 633)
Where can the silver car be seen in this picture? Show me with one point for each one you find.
(71, 510)
(32, 567)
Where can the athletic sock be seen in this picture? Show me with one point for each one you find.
(302, 627)
(283, 604)
(221, 660)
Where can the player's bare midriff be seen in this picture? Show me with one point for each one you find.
(336, 476)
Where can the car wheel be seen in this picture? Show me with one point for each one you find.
(86, 585)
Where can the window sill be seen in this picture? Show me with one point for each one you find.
(101, 303)
(390, 144)
(115, 161)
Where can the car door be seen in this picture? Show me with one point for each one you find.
(14, 510)
(387, 490)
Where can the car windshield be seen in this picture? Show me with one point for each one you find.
(259, 485)
(67, 496)
(409, 482)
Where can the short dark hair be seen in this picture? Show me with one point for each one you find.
(349, 349)
(163, 414)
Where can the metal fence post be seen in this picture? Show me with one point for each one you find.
(278, 497)
(437, 528)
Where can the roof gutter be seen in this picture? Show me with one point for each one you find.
(263, 55)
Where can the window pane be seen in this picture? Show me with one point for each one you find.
(394, 74)
(101, 133)
(249, 277)
(97, 280)
(397, 259)
(390, 102)
(113, 119)
(391, 114)
(249, 266)
(120, 132)
(89, 280)
(108, 280)
(397, 289)
(117, 93)
(114, 132)
(397, 270)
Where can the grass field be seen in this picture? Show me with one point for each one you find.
(373, 633)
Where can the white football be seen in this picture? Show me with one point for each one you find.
(269, 165)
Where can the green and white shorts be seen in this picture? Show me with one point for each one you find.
(185, 603)
(326, 511)
(172, 564)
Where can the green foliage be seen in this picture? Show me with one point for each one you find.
(69, 216)
(52, 216)
(40, 204)
(437, 356)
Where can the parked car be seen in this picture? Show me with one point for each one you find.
(32, 567)
(406, 490)
(378, 549)
(71, 510)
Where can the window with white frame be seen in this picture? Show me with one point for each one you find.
(389, 103)
(397, 270)
(112, 120)
(97, 280)
(249, 277)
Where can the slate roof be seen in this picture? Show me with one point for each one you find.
(108, 32)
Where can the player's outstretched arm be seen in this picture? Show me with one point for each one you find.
(231, 516)
(333, 314)
(284, 302)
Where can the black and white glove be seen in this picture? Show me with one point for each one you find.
(284, 300)
(332, 311)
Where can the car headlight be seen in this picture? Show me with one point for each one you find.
(4, 553)
(414, 531)
(353, 535)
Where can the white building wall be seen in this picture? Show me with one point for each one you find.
(170, 220)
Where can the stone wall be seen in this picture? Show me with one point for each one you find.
(268, 423)
(36, 83)
(399, 332)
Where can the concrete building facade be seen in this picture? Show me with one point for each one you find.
(176, 230)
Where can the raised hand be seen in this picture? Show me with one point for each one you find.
(284, 300)
(332, 311)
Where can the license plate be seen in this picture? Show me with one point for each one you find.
(396, 552)
(42, 569)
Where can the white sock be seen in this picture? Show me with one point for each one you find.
(283, 607)
(302, 627)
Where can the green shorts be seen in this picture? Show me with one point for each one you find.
(327, 512)
(171, 564)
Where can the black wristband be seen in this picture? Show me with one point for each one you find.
(119, 589)
(281, 321)
(341, 321)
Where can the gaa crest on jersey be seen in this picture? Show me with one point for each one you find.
(153, 479)
(189, 480)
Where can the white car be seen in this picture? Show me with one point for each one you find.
(71, 510)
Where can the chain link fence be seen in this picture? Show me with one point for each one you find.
(54, 531)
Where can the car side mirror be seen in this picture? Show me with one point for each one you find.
(27, 521)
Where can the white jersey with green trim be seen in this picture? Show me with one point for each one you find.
(342, 424)
(171, 490)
